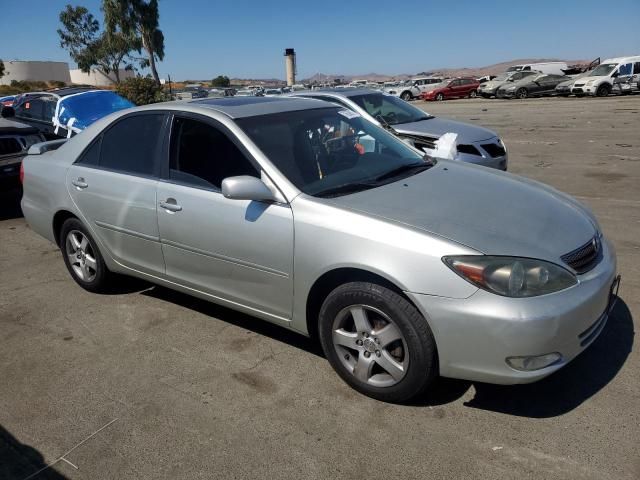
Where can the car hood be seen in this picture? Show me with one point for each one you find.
(492, 212)
(436, 127)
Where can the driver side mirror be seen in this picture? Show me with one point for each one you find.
(245, 187)
(8, 112)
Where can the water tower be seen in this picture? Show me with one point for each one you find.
(290, 65)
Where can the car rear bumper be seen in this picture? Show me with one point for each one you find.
(10, 165)
(475, 336)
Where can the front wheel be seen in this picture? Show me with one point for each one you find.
(603, 90)
(522, 93)
(473, 94)
(82, 257)
(377, 341)
(406, 96)
(439, 97)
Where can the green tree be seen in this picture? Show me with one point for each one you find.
(105, 51)
(1, 69)
(141, 91)
(221, 81)
(140, 19)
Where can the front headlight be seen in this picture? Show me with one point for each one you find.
(511, 276)
(591, 82)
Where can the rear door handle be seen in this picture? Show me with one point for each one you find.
(80, 184)
(171, 205)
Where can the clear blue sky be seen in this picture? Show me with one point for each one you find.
(247, 38)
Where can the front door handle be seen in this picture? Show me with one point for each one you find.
(80, 184)
(171, 205)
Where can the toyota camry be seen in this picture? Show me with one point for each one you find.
(305, 214)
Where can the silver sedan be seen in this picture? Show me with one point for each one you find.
(304, 214)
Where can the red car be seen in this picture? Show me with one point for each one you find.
(456, 88)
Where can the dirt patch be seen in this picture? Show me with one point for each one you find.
(606, 177)
(256, 381)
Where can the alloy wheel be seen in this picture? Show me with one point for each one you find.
(81, 256)
(370, 345)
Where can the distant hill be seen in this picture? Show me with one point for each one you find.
(494, 69)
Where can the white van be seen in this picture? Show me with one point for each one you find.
(600, 82)
(550, 68)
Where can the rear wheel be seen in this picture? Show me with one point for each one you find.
(603, 90)
(473, 94)
(522, 93)
(406, 96)
(377, 341)
(82, 257)
(440, 97)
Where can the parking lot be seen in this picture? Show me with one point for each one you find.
(149, 383)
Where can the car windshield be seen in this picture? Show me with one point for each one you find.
(501, 78)
(332, 151)
(392, 110)
(602, 70)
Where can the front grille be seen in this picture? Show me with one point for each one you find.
(494, 150)
(584, 258)
(469, 149)
(578, 84)
(9, 146)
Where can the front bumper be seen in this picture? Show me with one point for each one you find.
(474, 336)
(488, 92)
(505, 94)
(488, 153)
(584, 89)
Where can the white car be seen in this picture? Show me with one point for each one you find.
(405, 90)
(600, 82)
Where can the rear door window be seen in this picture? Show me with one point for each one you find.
(132, 145)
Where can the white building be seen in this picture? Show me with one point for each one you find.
(98, 79)
(42, 71)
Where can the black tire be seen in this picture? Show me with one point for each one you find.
(522, 93)
(603, 90)
(473, 94)
(406, 96)
(439, 97)
(98, 282)
(417, 341)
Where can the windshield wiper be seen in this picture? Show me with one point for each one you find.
(411, 167)
(385, 124)
(345, 188)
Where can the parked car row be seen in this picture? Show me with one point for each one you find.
(612, 76)
(64, 112)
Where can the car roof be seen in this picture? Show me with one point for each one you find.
(242, 107)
